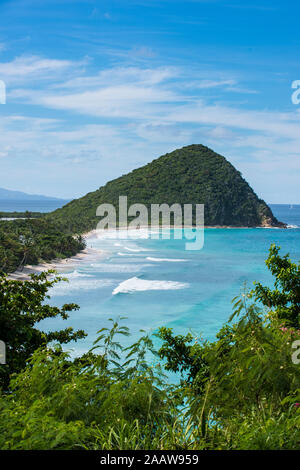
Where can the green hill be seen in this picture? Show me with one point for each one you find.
(191, 175)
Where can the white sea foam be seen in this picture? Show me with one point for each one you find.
(135, 250)
(123, 234)
(292, 226)
(135, 284)
(136, 253)
(76, 274)
(118, 268)
(169, 260)
(79, 285)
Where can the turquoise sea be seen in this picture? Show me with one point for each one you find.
(157, 282)
(43, 205)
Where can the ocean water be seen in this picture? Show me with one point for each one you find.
(47, 205)
(158, 283)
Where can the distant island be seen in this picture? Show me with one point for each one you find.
(19, 195)
(191, 175)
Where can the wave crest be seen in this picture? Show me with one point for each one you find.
(134, 284)
(169, 260)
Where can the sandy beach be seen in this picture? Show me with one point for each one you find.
(59, 265)
(64, 264)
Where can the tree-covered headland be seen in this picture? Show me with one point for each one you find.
(191, 175)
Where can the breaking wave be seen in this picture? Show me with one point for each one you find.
(135, 284)
(170, 260)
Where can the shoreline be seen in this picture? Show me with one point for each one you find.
(94, 232)
(65, 263)
(61, 264)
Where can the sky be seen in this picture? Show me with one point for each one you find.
(95, 89)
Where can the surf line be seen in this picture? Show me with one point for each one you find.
(190, 224)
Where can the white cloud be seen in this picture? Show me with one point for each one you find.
(140, 112)
(147, 98)
(123, 101)
(32, 67)
(130, 93)
(120, 76)
(271, 122)
(150, 95)
(215, 83)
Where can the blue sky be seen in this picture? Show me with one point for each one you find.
(97, 88)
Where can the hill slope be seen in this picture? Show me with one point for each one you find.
(19, 195)
(190, 175)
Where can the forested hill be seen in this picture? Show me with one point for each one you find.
(191, 175)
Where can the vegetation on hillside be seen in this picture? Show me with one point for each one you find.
(22, 306)
(190, 175)
(32, 241)
(20, 215)
(241, 391)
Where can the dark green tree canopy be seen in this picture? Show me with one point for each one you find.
(284, 299)
(191, 175)
(22, 307)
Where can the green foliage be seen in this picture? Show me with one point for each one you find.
(22, 307)
(89, 397)
(31, 241)
(21, 215)
(284, 300)
(244, 380)
(183, 357)
(269, 430)
(190, 175)
(241, 391)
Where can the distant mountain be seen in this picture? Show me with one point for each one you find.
(191, 175)
(19, 195)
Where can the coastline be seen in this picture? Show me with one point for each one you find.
(94, 232)
(65, 263)
(56, 264)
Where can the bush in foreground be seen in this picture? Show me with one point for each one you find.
(241, 391)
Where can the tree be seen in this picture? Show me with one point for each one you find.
(22, 306)
(284, 300)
